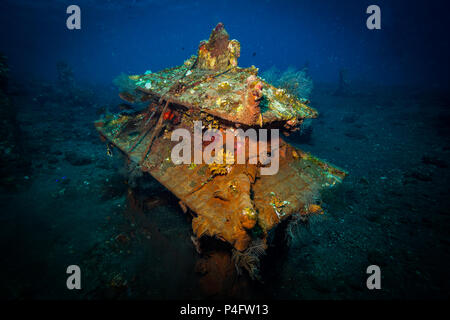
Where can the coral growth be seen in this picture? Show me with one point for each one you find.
(228, 202)
(292, 228)
(294, 81)
(124, 83)
(218, 53)
(253, 98)
(220, 169)
(314, 208)
(277, 204)
(250, 258)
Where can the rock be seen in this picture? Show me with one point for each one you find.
(355, 135)
(52, 160)
(77, 159)
(418, 175)
(364, 180)
(429, 160)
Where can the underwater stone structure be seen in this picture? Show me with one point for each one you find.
(230, 202)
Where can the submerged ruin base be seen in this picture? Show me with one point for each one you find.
(231, 202)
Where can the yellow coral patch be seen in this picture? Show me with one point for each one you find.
(315, 208)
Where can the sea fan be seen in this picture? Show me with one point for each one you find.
(249, 259)
(294, 81)
(292, 228)
(271, 75)
(310, 199)
(124, 83)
